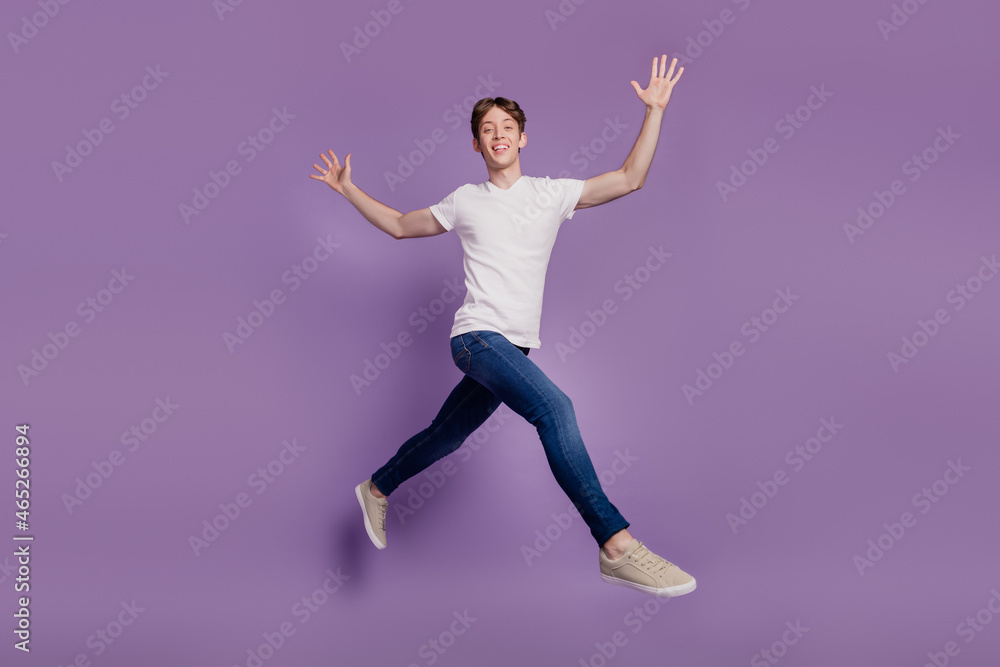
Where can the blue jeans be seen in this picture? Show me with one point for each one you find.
(497, 371)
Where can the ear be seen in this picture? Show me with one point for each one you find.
(475, 145)
(523, 141)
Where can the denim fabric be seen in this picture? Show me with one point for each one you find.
(497, 371)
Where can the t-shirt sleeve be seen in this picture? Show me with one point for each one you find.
(445, 211)
(570, 190)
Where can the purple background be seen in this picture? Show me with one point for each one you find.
(692, 462)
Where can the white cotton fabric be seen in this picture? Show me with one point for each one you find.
(507, 238)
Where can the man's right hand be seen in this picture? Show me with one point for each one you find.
(334, 175)
(385, 218)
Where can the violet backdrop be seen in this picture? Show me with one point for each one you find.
(832, 477)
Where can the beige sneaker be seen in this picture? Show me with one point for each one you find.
(374, 510)
(643, 570)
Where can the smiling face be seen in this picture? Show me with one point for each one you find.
(499, 138)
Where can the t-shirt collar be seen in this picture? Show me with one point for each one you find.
(495, 188)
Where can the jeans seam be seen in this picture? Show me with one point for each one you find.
(479, 339)
(465, 350)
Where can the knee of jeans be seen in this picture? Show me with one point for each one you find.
(561, 405)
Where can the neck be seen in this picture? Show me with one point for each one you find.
(506, 177)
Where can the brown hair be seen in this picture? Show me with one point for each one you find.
(487, 103)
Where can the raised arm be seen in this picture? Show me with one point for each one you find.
(397, 225)
(632, 174)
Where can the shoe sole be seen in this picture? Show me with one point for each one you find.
(673, 591)
(368, 523)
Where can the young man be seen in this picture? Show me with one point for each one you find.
(508, 226)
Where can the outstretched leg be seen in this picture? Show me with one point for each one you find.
(493, 361)
(468, 406)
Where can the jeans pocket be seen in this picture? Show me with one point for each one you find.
(485, 334)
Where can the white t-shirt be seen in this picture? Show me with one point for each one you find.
(507, 238)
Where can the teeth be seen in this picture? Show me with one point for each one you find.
(497, 148)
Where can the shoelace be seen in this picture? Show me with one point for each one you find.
(650, 561)
(382, 507)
